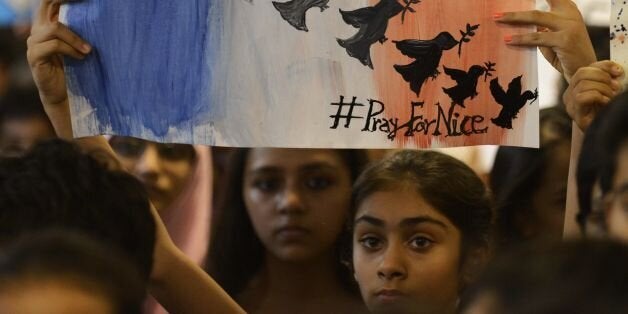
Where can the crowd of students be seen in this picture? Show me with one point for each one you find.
(104, 225)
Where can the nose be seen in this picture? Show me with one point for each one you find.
(392, 265)
(148, 165)
(290, 200)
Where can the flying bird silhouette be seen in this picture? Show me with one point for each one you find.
(294, 11)
(467, 83)
(427, 55)
(512, 101)
(372, 23)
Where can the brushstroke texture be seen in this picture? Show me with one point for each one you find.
(272, 86)
(427, 55)
(150, 68)
(372, 23)
(294, 11)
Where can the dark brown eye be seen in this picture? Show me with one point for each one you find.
(421, 243)
(128, 147)
(266, 185)
(370, 242)
(318, 183)
(176, 152)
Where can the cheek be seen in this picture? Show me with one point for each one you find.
(435, 277)
(618, 223)
(329, 213)
(129, 164)
(365, 272)
(178, 172)
(259, 207)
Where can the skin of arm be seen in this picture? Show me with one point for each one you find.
(178, 283)
(563, 40)
(590, 90)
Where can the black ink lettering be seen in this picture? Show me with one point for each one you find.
(372, 116)
(478, 119)
(349, 116)
(454, 122)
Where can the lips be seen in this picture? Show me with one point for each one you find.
(291, 233)
(389, 295)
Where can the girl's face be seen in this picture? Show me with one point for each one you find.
(297, 200)
(617, 216)
(163, 168)
(406, 254)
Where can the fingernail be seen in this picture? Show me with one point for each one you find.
(616, 85)
(508, 38)
(497, 16)
(86, 48)
(606, 99)
(617, 70)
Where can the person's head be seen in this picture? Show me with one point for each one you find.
(23, 122)
(59, 272)
(614, 170)
(591, 214)
(57, 186)
(574, 277)
(421, 230)
(530, 185)
(287, 205)
(163, 168)
(7, 57)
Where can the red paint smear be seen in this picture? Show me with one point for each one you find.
(431, 18)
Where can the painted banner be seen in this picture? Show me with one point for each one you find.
(304, 73)
(619, 34)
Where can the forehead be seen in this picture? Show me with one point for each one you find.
(28, 126)
(397, 204)
(292, 158)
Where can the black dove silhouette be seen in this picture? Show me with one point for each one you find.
(372, 23)
(427, 54)
(467, 84)
(511, 101)
(294, 11)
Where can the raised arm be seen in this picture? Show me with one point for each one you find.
(176, 282)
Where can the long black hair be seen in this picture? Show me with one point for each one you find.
(236, 253)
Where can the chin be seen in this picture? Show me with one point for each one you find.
(295, 254)
(405, 308)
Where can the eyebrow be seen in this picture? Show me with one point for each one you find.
(405, 223)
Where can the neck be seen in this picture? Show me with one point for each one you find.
(307, 278)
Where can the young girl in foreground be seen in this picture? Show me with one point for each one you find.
(421, 226)
(275, 242)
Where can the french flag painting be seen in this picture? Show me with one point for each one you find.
(304, 73)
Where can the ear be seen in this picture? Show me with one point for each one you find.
(474, 264)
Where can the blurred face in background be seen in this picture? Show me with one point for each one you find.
(548, 201)
(617, 212)
(4, 79)
(18, 135)
(163, 168)
(297, 200)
